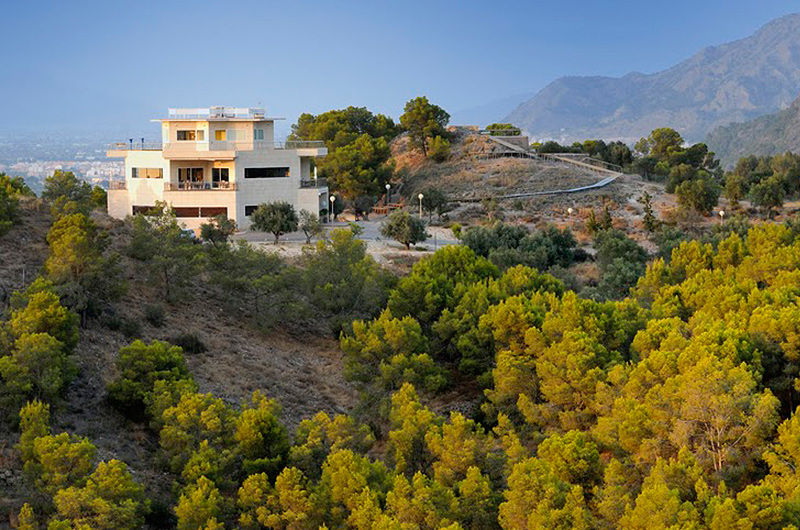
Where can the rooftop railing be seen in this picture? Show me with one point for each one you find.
(206, 113)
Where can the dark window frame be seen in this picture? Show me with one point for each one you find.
(267, 172)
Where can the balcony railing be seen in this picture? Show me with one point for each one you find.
(206, 113)
(215, 145)
(314, 183)
(117, 185)
(135, 146)
(199, 186)
(300, 144)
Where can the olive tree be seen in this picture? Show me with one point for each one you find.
(278, 218)
(310, 225)
(404, 228)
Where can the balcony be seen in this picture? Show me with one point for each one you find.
(135, 146)
(216, 150)
(117, 185)
(314, 183)
(200, 186)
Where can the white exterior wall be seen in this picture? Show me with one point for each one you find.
(140, 192)
(245, 153)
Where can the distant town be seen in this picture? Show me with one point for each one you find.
(36, 156)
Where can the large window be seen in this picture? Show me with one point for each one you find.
(147, 173)
(220, 174)
(248, 210)
(193, 135)
(199, 211)
(258, 134)
(265, 172)
(220, 135)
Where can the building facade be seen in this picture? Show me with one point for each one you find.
(217, 160)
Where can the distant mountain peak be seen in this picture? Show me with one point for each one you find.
(732, 82)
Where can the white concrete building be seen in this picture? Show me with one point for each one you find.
(217, 160)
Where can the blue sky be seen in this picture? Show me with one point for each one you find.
(114, 65)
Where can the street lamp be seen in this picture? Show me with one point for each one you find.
(722, 215)
(388, 193)
(569, 211)
(420, 205)
(330, 212)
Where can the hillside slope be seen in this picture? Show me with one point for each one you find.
(304, 375)
(766, 135)
(472, 173)
(733, 82)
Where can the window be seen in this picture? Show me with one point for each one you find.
(186, 211)
(248, 210)
(265, 172)
(219, 174)
(258, 134)
(147, 173)
(198, 135)
(199, 211)
(211, 211)
(220, 135)
(190, 174)
(143, 210)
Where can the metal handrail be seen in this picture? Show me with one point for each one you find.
(135, 146)
(314, 183)
(299, 144)
(586, 159)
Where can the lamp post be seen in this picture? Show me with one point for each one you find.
(569, 211)
(722, 215)
(388, 194)
(330, 212)
(420, 196)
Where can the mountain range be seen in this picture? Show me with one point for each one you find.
(733, 82)
(766, 135)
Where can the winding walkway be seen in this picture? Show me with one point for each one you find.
(610, 174)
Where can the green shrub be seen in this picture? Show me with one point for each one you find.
(140, 365)
(130, 327)
(155, 314)
(190, 343)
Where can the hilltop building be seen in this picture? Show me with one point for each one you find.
(217, 160)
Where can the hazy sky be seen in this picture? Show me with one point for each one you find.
(114, 65)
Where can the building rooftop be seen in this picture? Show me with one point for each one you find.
(217, 113)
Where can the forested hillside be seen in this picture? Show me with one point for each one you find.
(766, 135)
(491, 395)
